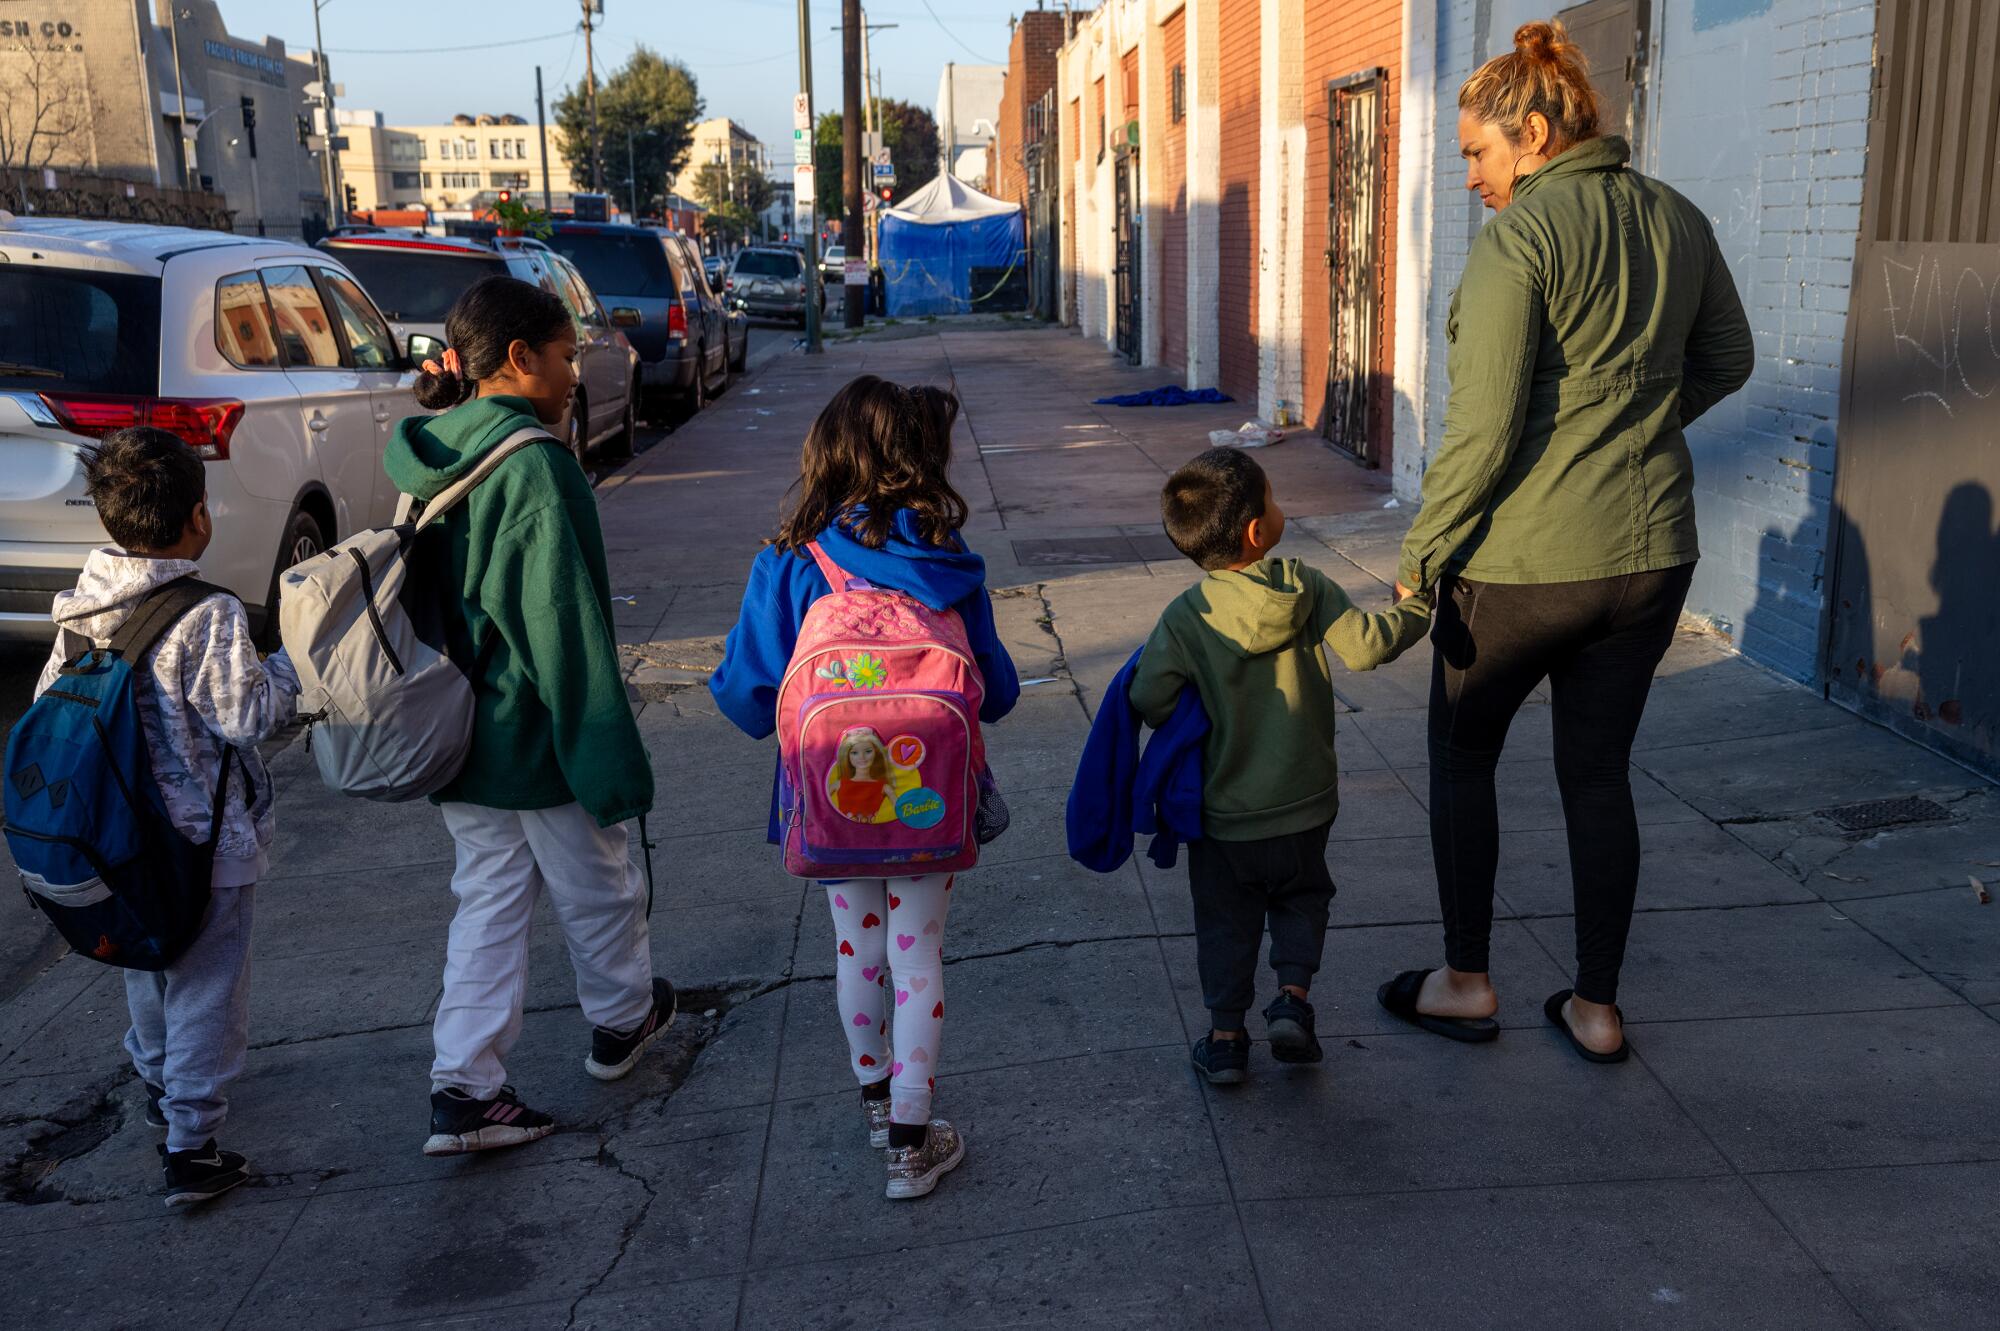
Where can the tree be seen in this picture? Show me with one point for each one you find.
(908, 132)
(716, 185)
(651, 103)
(41, 108)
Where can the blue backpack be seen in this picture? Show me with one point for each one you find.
(89, 831)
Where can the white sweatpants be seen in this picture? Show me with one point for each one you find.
(506, 858)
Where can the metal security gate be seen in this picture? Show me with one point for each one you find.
(1044, 164)
(1125, 259)
(1353, 259)
(1913, 630)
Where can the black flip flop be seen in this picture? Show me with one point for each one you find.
(1399, 999)
(1553, 1010)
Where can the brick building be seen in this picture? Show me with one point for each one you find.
(1031, 73)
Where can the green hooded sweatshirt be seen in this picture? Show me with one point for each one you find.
(1250, 642)
(1596, 320)
(552, 725)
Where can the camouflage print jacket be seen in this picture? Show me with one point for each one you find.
(210, 692)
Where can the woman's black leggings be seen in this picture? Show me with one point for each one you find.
(1597, 642)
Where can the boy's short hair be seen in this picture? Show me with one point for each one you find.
(146, 484)
(1208, 503)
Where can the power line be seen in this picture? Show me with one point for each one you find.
(955, 37)
(444, 50)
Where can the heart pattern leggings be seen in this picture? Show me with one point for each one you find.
(891, 954)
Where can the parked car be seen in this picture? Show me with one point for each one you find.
(415, 279)
(770, 280)
(734, 323)
(266, 356)
(645, 280)
(833, 264)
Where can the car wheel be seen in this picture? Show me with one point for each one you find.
(578, 438)
(626, 441)
(722, 379)
(697, 396)
(303, 539)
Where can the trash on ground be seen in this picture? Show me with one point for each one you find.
(1167, 395)
(1392, 503)
(763, 411)
(753, 391)
(1039, 679)
(1251, 434)
(1979, 892)
(628, 600)
(1841, 877)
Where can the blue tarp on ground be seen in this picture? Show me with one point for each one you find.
(930, 245)
(1169, 395)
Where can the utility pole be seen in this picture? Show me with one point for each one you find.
(180, 93)
(951, 117)
(591, 7)
(542, 129)
(813, 347)
(631, 172)
(332, 164)
(852, 302)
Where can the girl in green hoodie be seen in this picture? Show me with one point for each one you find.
(556, 765)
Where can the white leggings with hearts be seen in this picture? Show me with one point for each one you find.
(891, 941)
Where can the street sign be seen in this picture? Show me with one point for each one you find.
(871, 143)
(802, 148)
(854, 272)
(881, 159)
(885, 174)
(802, 115)
(802, 183)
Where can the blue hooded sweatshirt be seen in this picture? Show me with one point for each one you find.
(783, 587)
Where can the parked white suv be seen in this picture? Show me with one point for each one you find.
(265, 356)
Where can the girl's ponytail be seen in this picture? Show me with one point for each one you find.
(493, 314)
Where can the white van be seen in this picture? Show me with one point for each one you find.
(264, 355)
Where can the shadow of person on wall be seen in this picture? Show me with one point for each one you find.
(1958, 647)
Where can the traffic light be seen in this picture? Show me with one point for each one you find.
(886, 192)
(506, 196)
(353, 203)
(250, 125)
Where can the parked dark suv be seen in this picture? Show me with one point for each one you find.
(682, 340)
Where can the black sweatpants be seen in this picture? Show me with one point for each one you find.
(1597, 642)
(1237, 887)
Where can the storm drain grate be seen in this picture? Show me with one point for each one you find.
(1083, 551)
(1868, 816)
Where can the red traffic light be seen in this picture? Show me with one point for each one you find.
(885, 195)
(506, 196)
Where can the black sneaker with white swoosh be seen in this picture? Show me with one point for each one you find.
(201, 1175)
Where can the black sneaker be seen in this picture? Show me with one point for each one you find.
(613, 1055)
(1289, 1024)
(155, 1116)
(460, 1123)
(1223, 1062)
(201, 1175)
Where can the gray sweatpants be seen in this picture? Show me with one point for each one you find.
(191, 1021)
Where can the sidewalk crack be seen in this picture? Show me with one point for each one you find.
(608, 1159)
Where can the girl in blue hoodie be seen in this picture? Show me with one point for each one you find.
(874, 490)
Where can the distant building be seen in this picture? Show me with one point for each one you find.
(457, 167)
(174, 101)
(722, 142)
(968, 105)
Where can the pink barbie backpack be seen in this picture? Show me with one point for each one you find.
(878, 736)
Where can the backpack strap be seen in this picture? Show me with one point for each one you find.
(444, 500)
(836, 577)
(160, 611)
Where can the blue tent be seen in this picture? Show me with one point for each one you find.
(932, 241)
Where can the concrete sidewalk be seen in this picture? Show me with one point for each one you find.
(1807, 1136)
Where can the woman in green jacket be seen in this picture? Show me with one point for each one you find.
(1595, 320)
(556, 766)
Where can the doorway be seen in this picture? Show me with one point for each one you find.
(1354, 108)
(1125, 258)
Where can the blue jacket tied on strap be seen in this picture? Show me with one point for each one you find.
(1120, 791)
(783, 587)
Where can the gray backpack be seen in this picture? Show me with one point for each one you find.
(389, 712)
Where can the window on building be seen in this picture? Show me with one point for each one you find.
(244, 331)
(405, 180)
(461, 180)
(1075, 129)
(507, 179)
(427, 180)
(1177, 93)
(304, 330)
(423, 150)
(521, 149)
(471, 150)
(1098, 106)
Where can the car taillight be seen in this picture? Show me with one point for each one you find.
(203, 423)
(677, 322)
(729, 284)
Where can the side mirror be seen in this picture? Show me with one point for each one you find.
(423, 347)
(624, 316)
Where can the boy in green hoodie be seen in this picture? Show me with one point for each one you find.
(1248, 638)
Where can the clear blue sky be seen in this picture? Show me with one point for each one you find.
(744, 53)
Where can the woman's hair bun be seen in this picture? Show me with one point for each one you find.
(440, 391)
(1539, 41)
